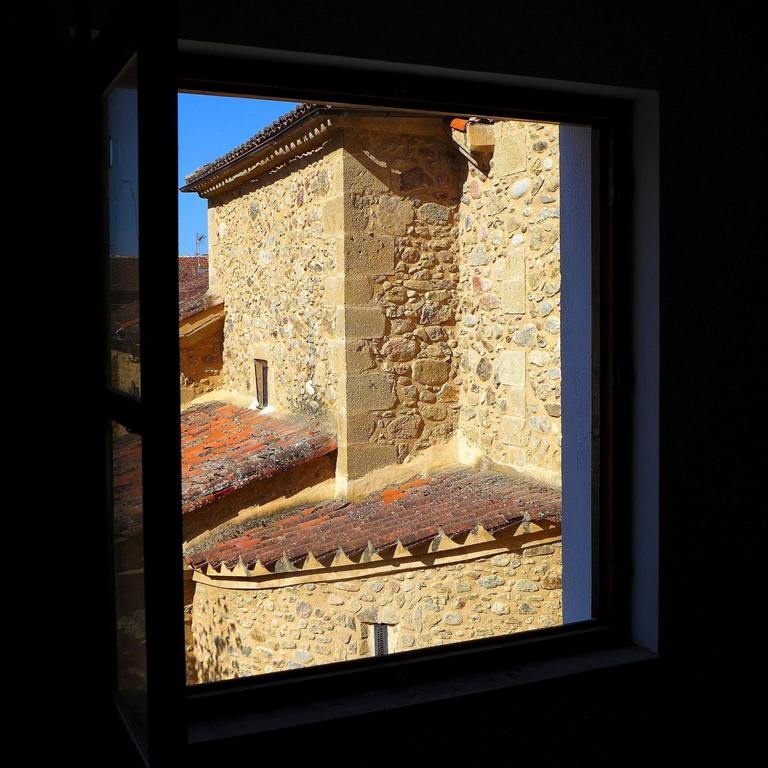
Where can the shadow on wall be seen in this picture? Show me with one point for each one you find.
(425, 168)
(206, 667)
(403, 180)
(258, 494)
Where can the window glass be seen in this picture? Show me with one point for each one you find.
(122, 190)
(129, 569)
(373, 449)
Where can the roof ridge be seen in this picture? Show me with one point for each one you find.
(404, 517)
(276, 127)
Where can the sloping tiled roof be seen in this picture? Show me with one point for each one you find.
(288, 120)
(193, 295)
(193, 286)
(192, 266)
(225, 448)
(451, 502)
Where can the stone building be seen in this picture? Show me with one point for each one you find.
(376, 467)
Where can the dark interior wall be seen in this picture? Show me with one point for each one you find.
(708, 69)
(577, 41)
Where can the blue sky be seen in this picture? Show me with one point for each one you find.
(209, 126)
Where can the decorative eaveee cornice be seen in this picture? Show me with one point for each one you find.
(294, 133)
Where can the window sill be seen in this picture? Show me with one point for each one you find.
(398, 690)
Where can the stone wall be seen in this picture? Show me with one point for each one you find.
(125, 370)
(399, 291)
(240, 632)
(201, 358)
(402, 184)
(274, 245)
(509, 302)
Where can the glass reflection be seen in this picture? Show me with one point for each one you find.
(129, 569)
(122, 177)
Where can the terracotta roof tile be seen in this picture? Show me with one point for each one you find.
(224, 448)
(124, 313)
(454, 501)
(191, 267)
(193, 286)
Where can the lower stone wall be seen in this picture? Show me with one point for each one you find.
(200, 365)
(241, 632)
(125, 371)
(310, 483)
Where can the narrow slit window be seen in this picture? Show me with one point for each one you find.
(380, 645)
(262, 388)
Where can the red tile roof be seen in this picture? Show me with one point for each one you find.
(452, 501)
(225, 448)
(193, 286)
(124, 313)
(192, 266)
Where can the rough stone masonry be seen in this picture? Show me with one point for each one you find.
(401, 278)
(400, 292)
(240, 632)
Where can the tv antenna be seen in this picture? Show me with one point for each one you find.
(199, 237)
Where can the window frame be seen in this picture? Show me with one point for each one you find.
(263, 74)
(212, 711)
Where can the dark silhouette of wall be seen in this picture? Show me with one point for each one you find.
(706, 64)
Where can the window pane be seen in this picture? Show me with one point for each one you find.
(122, 189)
(373, 454)
(129, 570)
